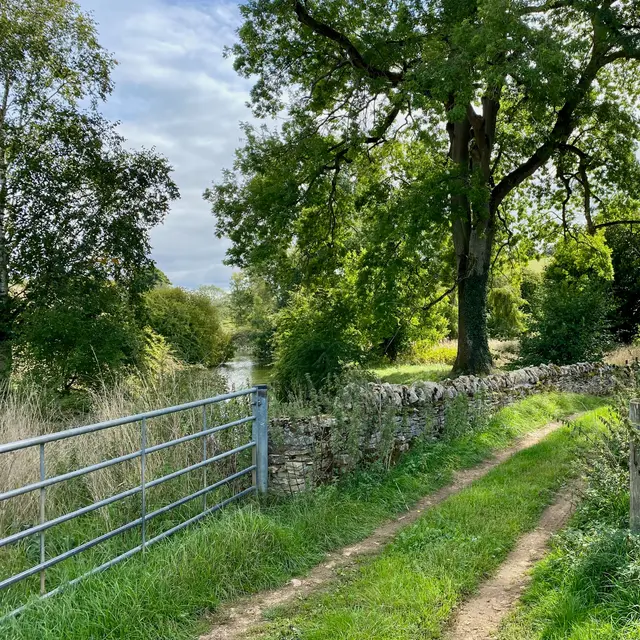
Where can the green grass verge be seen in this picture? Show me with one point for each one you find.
(408, 373)
(587, 588)
(259, 546)
(411, 590)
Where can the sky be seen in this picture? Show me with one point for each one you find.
(176, 92)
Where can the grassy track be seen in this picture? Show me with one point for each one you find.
(588, 588)
(257, 547)
(411, 590)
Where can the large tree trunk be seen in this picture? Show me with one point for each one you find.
(6, 312)
(473, 356)
(473, 233)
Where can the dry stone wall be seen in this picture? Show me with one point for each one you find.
(305, 452)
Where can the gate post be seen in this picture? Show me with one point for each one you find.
(261, 438)
(634, 468)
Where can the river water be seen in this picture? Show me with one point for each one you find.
(242, 372)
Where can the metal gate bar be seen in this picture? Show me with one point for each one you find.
(258, 470)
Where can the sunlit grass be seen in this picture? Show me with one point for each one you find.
(504, 353)
(412, 589)
(408, 373)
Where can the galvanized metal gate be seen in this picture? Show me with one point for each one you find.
(258, 470)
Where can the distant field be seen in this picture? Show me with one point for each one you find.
(623, 354)
(539, 265)
(408, 373)
(504, 353)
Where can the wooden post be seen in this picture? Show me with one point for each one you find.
(634, 468)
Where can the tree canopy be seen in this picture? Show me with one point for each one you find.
(437, 134)
(76, 207)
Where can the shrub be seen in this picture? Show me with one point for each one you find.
(506, 319)
(571, 324)
(157, 358)
(394, 330)
(316, 338)
(571, 311)
(605, 465)
(531, 287)
(190, 324)
(86, 332)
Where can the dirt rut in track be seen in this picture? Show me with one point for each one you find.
(479, 618)
(237, 619)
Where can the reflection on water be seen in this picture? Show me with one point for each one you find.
(241, 372)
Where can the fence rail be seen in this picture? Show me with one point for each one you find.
(258, 470)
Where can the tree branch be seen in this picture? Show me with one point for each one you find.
(476, 120)
(612, 223)
(546, 6)
(356, 58)
(448, 292)
(569, 192)
(586, 189)
(583, 165)
(562, 129)
(583, 155)
(384, 126)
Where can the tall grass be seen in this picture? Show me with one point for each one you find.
(27, 412)
(624, 354)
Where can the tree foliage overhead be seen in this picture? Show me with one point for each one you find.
(425, 126)
(75, 206)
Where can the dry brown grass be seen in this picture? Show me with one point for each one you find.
(504, 352)
(27, 412)
(623, 354)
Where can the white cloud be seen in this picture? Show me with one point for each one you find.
(176, 91)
